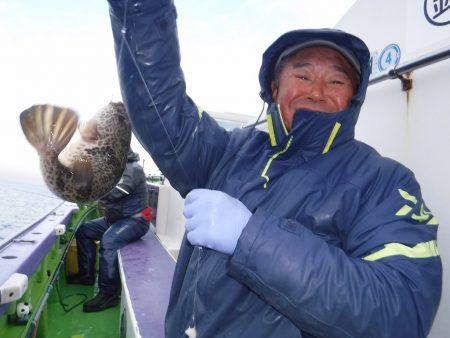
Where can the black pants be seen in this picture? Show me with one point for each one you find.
(112, 238)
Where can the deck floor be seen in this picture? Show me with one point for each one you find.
(76, 323)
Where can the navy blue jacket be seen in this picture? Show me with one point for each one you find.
(340, 243)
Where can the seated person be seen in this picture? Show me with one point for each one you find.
(126, 218)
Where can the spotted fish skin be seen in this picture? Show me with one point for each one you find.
(84, 170)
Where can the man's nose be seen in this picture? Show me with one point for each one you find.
(316, 92)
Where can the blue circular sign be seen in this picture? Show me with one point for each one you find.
(389, 57)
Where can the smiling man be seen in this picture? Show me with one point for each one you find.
(315, 78)
(299, 232)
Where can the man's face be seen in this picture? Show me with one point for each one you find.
(316, 78)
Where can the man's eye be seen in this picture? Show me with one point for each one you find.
(337, 82)
(302, 77)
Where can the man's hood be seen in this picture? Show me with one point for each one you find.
(132, 156)
(315, 132)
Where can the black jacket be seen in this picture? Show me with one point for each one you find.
(130, 195)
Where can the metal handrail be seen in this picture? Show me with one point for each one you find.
(409, 66)
(38, 220)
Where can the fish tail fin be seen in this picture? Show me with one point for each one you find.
(48, 127)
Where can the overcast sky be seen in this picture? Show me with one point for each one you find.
(61, 52)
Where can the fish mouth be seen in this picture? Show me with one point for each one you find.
(88, 130)
(75, 154)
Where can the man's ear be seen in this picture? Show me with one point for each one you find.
(274, 89)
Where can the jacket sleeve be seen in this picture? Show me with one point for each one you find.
(183, 140)
(126, 185)
(385, 282)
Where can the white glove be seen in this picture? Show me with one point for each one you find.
(214, 219)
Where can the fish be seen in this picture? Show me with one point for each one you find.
(84, 170)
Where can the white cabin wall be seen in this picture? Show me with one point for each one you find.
(169, 218)
(429, 157)
(412, 128)
(381, 122)
(369, 24)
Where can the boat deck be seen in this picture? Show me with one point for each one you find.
(146, 272)
(146, 269)
(65, 322)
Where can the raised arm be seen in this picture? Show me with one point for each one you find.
(183, 141)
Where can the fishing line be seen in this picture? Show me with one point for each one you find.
(147, 89)
(190, 331)
(123, 31)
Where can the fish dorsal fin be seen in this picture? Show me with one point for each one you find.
(48, 127)
(83, 175)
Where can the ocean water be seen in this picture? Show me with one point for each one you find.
(21, 204)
